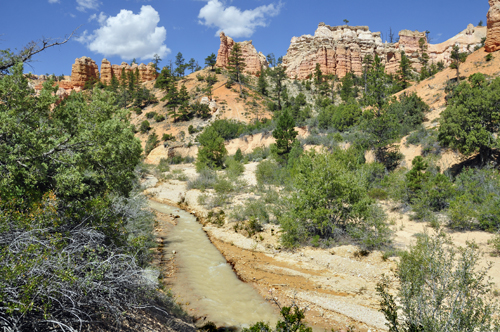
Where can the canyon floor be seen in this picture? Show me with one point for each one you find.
(335, 285)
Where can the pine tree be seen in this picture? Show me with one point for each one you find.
(212, 151)
(278, 76)
(210, 61)
(347, 91)
(173, 100)
(262, 82)
(404, 72)
(285, 135)
(236, 64)
(457, 58)
(376, 93)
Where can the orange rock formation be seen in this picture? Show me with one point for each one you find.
(84, 69)
(493, 36)
(146, 72)
(254, 60)
(341, 49)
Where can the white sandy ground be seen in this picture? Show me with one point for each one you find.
(334, 284)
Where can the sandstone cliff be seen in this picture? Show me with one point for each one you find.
(254, 60)
(341, 49)
(84, 69)
(493, 37)
(146, 72)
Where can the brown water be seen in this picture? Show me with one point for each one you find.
(207, 281)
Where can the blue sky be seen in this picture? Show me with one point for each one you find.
(123, 29)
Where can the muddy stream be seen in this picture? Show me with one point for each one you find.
(205, 281)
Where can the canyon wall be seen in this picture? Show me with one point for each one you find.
(341, 49)
(85, 69)
(253, 60)
(146, 72)
(493, 36)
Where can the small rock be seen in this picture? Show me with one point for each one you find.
(174, 252)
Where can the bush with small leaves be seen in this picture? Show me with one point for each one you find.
(145, 126)
(150, 115)
(151, 143)
(159, 117)
(168, 137)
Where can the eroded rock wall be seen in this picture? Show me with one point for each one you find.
(341, 49)
(146, 72)
(253, 60)
(84, 69)
(493, 36)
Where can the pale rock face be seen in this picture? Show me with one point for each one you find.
(254, 60)
(341, 49)
(493, 36)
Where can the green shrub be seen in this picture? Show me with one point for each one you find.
(251, 209)
(159, 117)
(206, 179)
(378, 193)
(495, 244)
(258, 154)
(163, 165)
(238, 156)
(268, 173)
(137, 110)
(151, 143)
(150, 115)
(192, 130)
(144, 126)
(439, 288)
(234, 168)
(168, 137)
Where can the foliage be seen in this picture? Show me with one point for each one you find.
(159, 117)
(238, 156)
(340, 117)
(470, 122)
(211, 61)
(329, 199)
(268, 173)
(285, 135)
(236, 64)
(292, 322)
(145, 126)
(151, 143)
(457, 58)
(206, 179)
(201, 110)
(440, 289)
(262, 82)
(251, 209)
(404, 71)
(212, 151)
(278, 76)
(54, 148)
(475, 204)
(163, 165)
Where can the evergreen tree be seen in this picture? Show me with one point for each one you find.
(347, 91)
(192, 65)
(376, 93)
(404, 72)
(236, 64)
(184, 109)
(212, 151)
(285, 135)
(179, 62)
(156, 61)
(173, 100)
(457, 58)
(471, 121)
(367, 65)
(262, 82)
(278, 76)
(114, 84)
(165, 79)
(271, 59)
(211, 60)
(123, 78)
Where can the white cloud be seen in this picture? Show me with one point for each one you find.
(128, 35)
(83, 5)
(101, 19)
(234, 22)
(54, 1)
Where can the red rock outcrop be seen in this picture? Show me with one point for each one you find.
(253, 60)
(493, 35)
(146, 72)
(84, 69)
(341, 49)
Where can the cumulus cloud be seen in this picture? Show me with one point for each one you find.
(101, 18)
(233, 21)
(128, 35)
(54, 1)
(83, 5)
